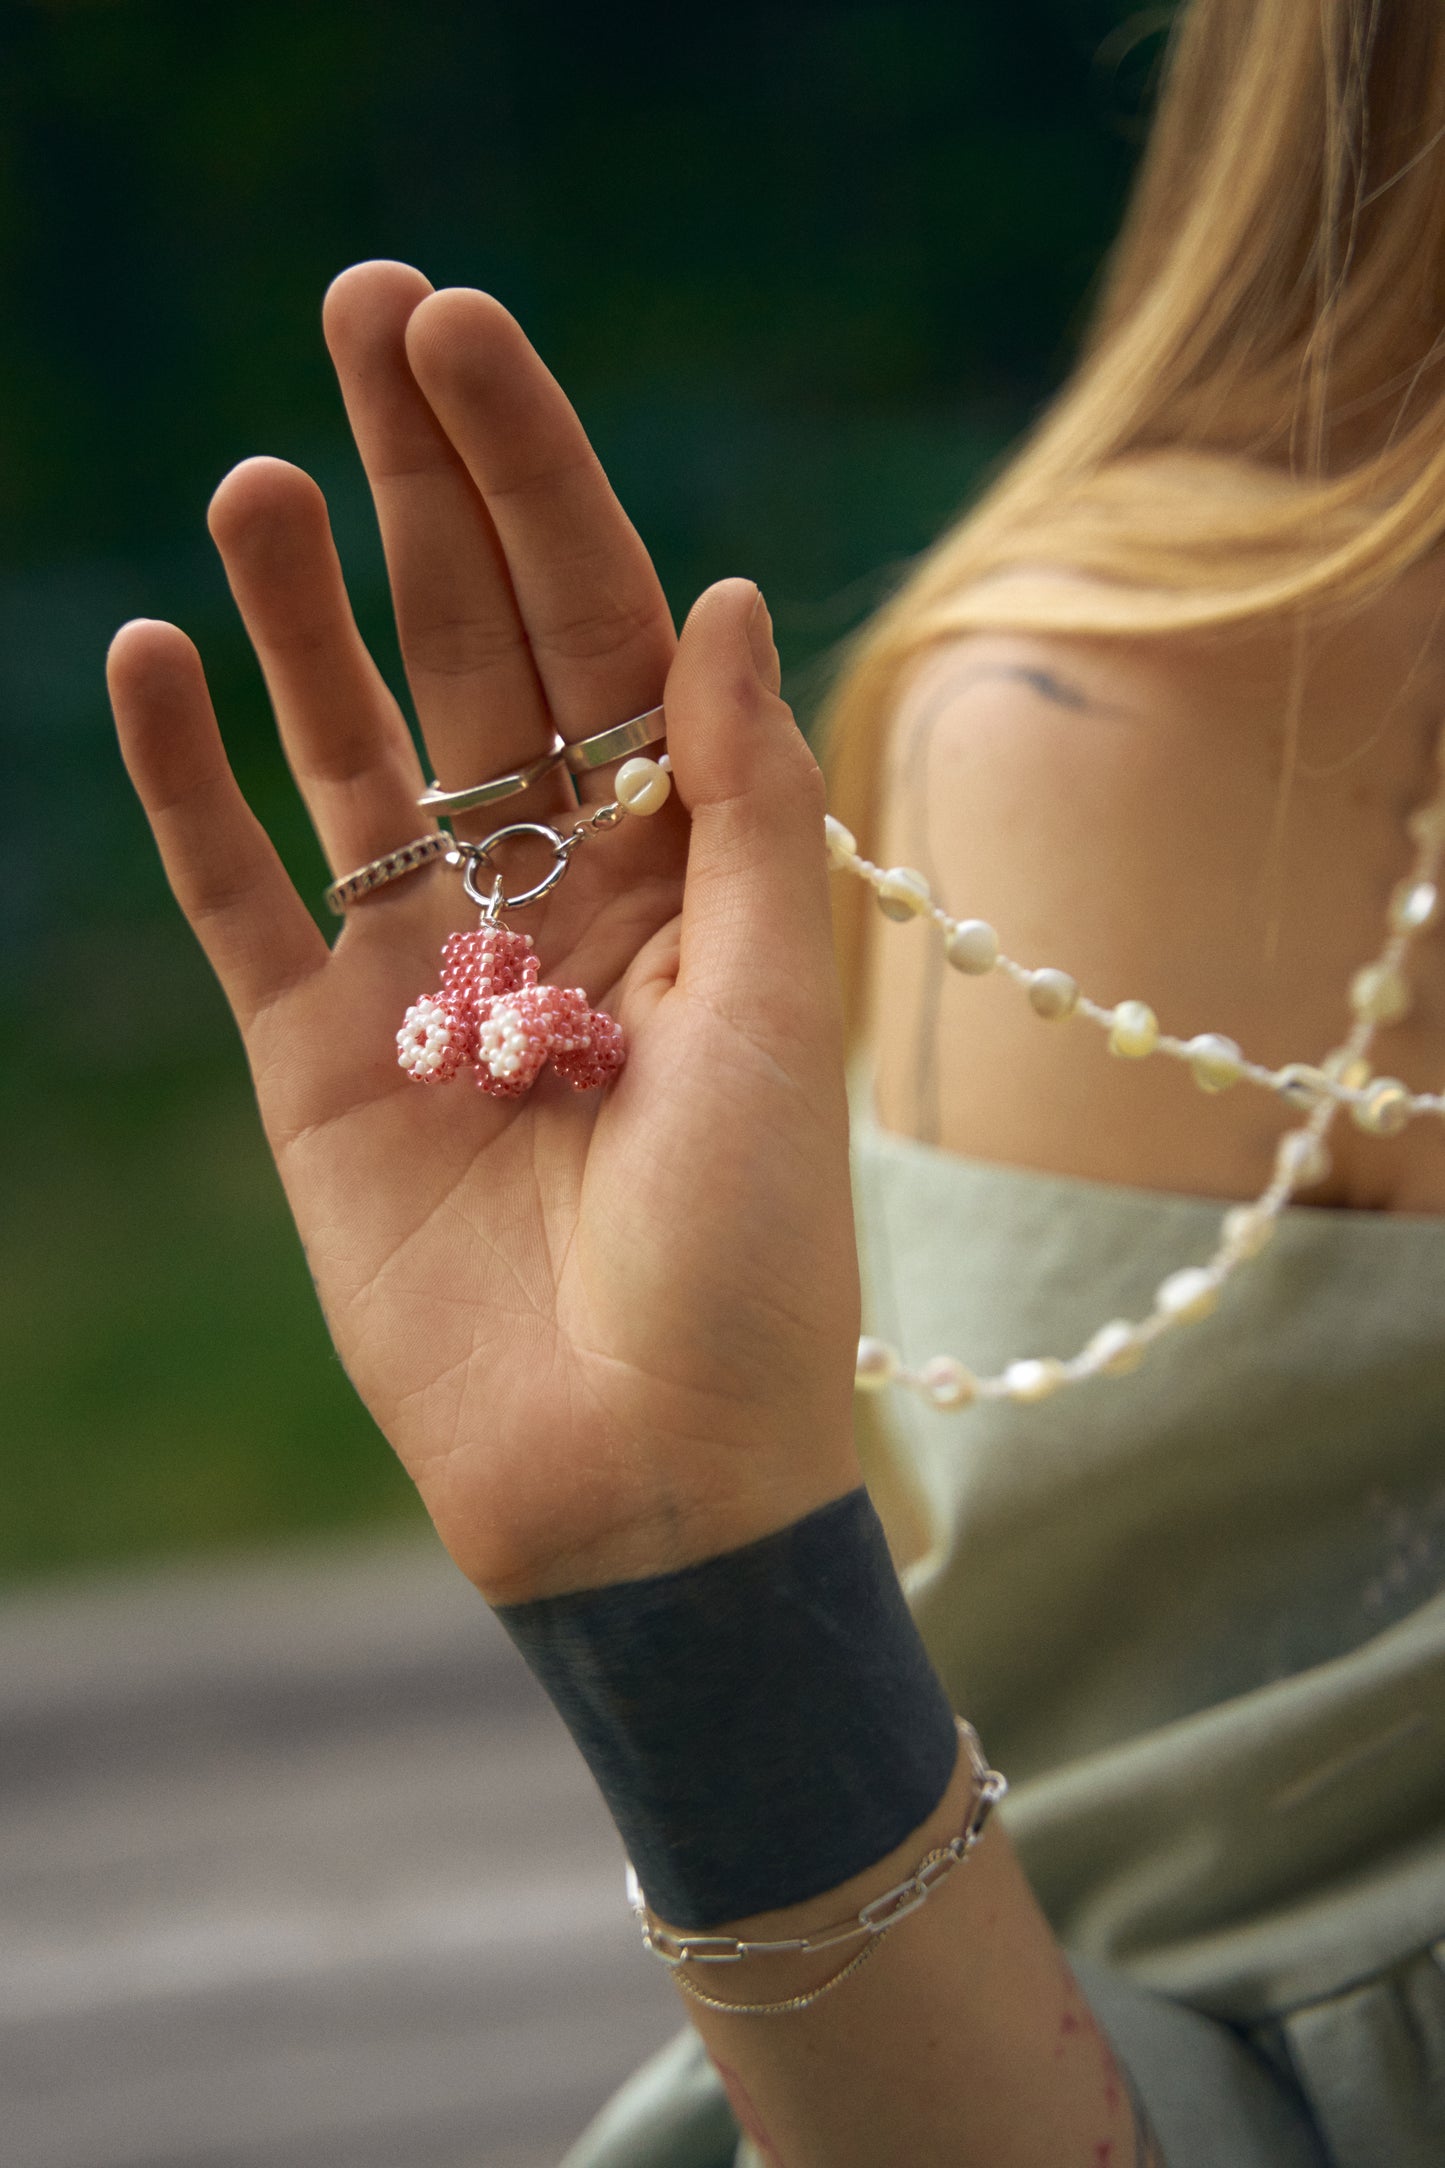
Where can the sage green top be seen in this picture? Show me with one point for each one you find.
(1197, 1615)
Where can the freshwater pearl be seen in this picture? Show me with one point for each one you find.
(877, 1364)
(1187, 1295)
(1034, 1378)
(839, 842)
(903, 892)
(1052, 994)
(1247, 1230)
(1385, 1108)
(1302, 1159)
(1134, 1031)
(641, 785)
(1302, 1084)
(947, 1382)
(972, 946)
(1115, 1348)
(1343, 1067)
(1379, 995)
(1216, 1062)
(1414, 906)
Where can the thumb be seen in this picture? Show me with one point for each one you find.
(757, 935)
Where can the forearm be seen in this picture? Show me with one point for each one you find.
(779, 1754)
(962, 2040)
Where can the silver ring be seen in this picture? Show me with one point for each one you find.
(613, 744)
(582, 755)
(378, 871)
(471, 855)
(437, 800)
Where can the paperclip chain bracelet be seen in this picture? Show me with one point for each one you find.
(869, 1925)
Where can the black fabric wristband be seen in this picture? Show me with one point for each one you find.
(763, 1725)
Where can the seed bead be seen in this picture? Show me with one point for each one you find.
(877, 1364)
(903, 892)
(972, 946)
(1134, 1031)
(1385, 1108)
(1052, 994)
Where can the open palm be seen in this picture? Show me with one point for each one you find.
(606, 1331)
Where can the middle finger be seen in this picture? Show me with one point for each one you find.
(479, 699)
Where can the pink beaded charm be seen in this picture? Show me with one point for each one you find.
(492, 1014)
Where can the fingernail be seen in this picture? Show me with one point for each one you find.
(765, 653)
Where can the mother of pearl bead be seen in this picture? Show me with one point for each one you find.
(972, 946)
(1247, 1230)
(1115, 1348)
(877, 1365)
(1034, 1378)
(1189, 1294)
(947, 1382)
(641, 785)
(1216, 1062)
(1134, 1031)
(903, 892)
(1385, 1108)
(1379, 995)
(1052, 994)
(840, 843)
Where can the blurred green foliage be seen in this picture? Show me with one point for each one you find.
(804, 269)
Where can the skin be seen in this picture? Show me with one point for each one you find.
(605, 1333)
(610, 1334)
(1114, 807)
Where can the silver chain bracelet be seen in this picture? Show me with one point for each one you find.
(875, 1918)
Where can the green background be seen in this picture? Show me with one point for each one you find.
(804, 270)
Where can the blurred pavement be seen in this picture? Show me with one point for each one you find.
(297, 1867)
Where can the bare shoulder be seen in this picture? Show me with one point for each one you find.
(1211, 824)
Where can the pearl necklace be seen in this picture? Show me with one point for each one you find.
(1380, 1106)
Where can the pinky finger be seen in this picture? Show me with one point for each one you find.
(223, 869)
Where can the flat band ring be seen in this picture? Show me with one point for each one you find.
(582, 755)
(616, 743)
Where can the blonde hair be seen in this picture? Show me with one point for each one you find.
(1256, 424)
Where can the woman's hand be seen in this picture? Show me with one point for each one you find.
(607, 1332)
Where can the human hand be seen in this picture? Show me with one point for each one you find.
(607, 1333)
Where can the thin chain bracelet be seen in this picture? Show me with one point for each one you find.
(792, 2002)
(1380, 1106)
(676, 1949)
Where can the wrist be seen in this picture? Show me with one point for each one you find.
(692, 1514)
(764, 1726)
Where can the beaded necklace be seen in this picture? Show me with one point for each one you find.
(1381, 1106)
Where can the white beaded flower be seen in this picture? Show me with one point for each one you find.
(503, 1047)
(428, 1045)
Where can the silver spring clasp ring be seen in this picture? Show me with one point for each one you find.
(471, 856)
